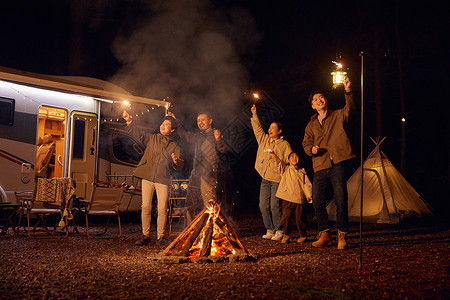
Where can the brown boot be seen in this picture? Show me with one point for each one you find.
(324, 238)
(285, 239)
(342, 243)
(301, 240)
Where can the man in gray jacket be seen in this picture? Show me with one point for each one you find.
(208, 145)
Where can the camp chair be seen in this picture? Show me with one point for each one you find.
(51, 197)
(104, 201)
(42, 211)
(177, 201)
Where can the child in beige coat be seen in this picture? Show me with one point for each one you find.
(295, 190)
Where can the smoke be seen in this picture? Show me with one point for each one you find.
(189, 52)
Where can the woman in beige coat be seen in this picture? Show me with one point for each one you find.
(269, 204)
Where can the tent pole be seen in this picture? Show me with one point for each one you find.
(360, 267)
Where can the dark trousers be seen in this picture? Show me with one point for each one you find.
(197, 198)
(293, 213)
(335, 175)
(194, 203)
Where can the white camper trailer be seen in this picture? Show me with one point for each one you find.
(49, 126)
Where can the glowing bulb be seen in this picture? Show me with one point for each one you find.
(403, 120)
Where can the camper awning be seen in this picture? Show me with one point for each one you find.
(96, 88)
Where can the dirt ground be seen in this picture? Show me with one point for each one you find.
(408, 261)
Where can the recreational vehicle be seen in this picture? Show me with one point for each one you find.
(53, 126)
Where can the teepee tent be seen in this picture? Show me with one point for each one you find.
(387, 196)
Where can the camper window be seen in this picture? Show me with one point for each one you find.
(126, 148)
(7, 111)
(78, 139)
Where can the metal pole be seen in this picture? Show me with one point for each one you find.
(360, 267)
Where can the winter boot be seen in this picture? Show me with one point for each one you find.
(285, 239)
(342, 243)
(301, 240)
(144, 241)
(324, 238)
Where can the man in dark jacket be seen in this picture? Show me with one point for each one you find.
(327, 142)
(208, 144)
(161, 154)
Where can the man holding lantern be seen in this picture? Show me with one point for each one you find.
(327, 143)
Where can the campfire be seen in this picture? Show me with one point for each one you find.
(209, 235)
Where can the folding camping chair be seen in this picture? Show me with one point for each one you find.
(177, 202)
(51, 197)
(105, 201)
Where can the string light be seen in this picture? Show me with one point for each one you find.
(10, 86)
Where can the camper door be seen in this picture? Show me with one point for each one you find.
(83, 152)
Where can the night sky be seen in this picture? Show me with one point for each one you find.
(193, 51)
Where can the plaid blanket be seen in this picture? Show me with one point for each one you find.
(57, 191)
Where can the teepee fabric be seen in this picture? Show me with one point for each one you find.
(387, 195)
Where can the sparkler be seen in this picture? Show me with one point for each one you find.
(255, 96)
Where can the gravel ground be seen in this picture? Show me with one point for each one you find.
(400, 262)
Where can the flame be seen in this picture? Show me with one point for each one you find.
(220, 244)
(209, 234)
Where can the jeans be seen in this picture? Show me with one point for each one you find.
(336, 174)
(269, 205)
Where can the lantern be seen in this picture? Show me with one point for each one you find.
(338, 75)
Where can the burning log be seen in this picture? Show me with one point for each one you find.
(177, 241)
(207, 244)
(230, 233)
(209, 235)
(193, 237)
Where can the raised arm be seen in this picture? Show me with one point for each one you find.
(183, 133)
(349, 103)
(256, 125)
(280, 164)
(141, 135)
